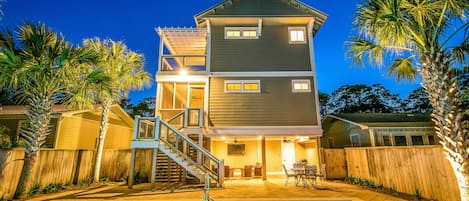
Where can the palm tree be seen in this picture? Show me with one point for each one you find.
(126, 72)
(420, 36)
(44, 70)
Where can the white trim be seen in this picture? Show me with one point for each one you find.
(312, 131)
(348, 121)
(259, 27)
(305, 35)
(180, 78)
(143, 144)
(242, 83)
(264, 74)
(241, 30)
(208, 50)
(293, 82)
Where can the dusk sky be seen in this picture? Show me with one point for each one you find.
(134, 22)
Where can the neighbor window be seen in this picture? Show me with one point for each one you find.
(355, 140)
(301, 86)
(242, 86)
(386, 140)
(431, 140)
(417, 140)
(297, 35)
(241, 33)
(400, 141)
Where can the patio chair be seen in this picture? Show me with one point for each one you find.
(289, 174)
(310, 174)
(228, 171)
(322, 174)
(248, 171)
(258, 171)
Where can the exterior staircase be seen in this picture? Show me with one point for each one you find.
(166, 138)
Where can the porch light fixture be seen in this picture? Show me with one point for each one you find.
(183, 72)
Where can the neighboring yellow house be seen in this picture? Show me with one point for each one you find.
(75, 129)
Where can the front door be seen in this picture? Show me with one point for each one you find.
(288, 153)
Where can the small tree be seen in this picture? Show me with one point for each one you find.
(421, 36)
(44, 70)
(125, 71)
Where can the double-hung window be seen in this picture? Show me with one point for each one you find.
(242, 86)
(301, 86)
(241, 33)
(297, 35)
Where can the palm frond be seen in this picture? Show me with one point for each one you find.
(360, 49)
(403, 68)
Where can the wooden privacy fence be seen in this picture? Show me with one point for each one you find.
(336, 165)
(67, 166)
(404, 169)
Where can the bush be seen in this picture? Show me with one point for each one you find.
(33, 189)
(52, 188)
(6, 142)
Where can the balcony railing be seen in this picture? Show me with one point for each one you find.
(182, 62)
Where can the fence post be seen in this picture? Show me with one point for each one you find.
(130, 182)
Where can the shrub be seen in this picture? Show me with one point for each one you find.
(6, 142)
(33, 189)
(52, 188)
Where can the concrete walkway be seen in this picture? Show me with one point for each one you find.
(235, 190)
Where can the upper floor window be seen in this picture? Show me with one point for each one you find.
(241, 33)
(301, 86)
(242, 86)
(297, 35)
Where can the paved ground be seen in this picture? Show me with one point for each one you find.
(235, 190)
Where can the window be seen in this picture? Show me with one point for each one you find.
(297, 35)
(330, 142)
(236, 149)
(299, 86)
(431, 140)
(242, 86)
(386, 140)
(417, 140)
(241, 33)
(400, 141)
(355, 140)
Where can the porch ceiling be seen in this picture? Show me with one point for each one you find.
(184, 41)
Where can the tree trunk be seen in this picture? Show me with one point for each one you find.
(448, 114)
(34, 133)
(104, 125)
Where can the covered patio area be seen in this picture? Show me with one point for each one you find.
(273, 189)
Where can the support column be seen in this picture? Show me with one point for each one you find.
(130, 182)
(153, 168)
(264, 161)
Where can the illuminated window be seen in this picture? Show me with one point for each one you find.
(355, 140)
(301, 86)
(242, 86)
(233, 33)
(241, 33)
(297, 35)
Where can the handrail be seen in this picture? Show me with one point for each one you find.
(173, 133)
(189, 141)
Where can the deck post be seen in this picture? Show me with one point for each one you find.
(130, 182)
(153, 168)
(264, 161)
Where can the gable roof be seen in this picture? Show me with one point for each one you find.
(262, 8)
(382, 119)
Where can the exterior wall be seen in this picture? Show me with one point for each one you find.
(12, 123)
(253, 154)
(275, 105)
(270, 52)
(78, 133)
(340, 132)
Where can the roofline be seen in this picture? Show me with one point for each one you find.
(348, 121)
(321, 15)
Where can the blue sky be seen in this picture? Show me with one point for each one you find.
(134, 23)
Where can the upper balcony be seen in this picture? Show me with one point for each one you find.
(182, 51)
